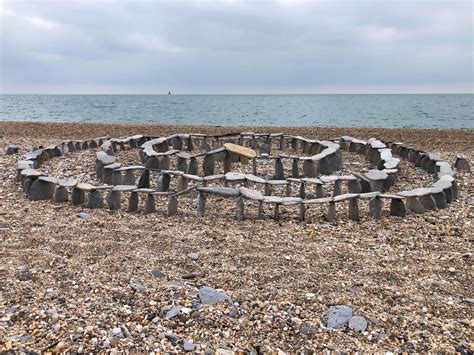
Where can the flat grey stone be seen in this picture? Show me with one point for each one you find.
(251, 194)
(12, 149)
(376, 175)
(358, 323)
(138, 288)
(193, 256)
(105, 159)
(339, 316)
(173, 312)
(209, 295)
(84, 215)
(188, 346)
(157, 273)
(67, 182)
(124, 188)
(221, 191)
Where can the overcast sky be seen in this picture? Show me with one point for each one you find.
(217, 46)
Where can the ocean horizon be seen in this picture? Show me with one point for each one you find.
(446, 111)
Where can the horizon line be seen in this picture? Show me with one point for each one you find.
(250, 94)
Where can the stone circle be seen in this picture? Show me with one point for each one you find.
(228, 166)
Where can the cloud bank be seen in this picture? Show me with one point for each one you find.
(115, 46)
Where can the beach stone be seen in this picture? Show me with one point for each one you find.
(188, 346)
(138, 288)
(209, 295)
(84, 215)
(462, 164)
(12, 149)
(173, 312)
(339, 316)
(193, 256)
(157, 274)
(358, 323)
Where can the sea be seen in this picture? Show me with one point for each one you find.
(358, 110)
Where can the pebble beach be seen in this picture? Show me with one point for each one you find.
(78, 280)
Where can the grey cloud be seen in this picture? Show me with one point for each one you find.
(218, 46)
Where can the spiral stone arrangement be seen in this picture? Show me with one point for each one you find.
(200, 166)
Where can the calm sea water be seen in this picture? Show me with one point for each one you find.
(430, 111)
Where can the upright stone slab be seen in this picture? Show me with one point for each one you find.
(440, 198)
(302, 215)
(295, 171)
(375, 208)
(150, 204)
(77, 196)
(94, 200)
(209, 165)
(239, 208)
(164, 181)
(279, 172)
(189, 144)
(61, 194)
(129, 177)
(172, 206)
(165, 162)
(114, 200)
(116, 177)
(353, 210)
(309, 169)
(182, 164)
(337, 188)
(193, 166)
(42, 190)
(182, 184)
(27, 185)
(133, 202)
(227, 162)
(354, 186)
(427, 201)
(320, 191)
(397, 208)
(144, 181)
(414, 205)
(201, 204)
(462, 164)
(331, 213)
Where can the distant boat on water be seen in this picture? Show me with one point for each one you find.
(169, 92)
